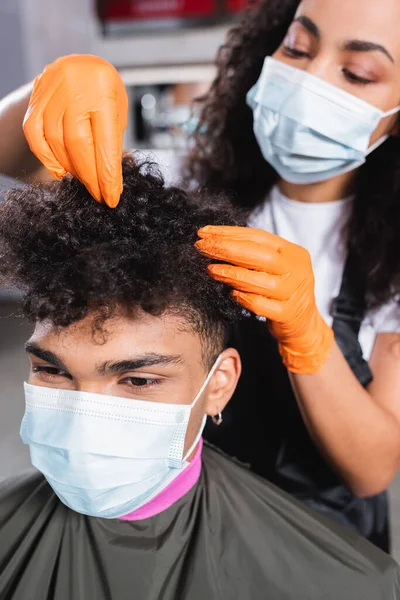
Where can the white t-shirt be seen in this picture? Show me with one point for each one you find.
(320, 229)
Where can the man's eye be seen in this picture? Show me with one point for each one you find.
(140, 382)
(293, 53)
(49, 372)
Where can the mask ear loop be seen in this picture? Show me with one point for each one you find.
(203, 423)
(384, 137)
(389, 113)
(378, 143)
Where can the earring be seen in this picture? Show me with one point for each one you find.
(217, 419)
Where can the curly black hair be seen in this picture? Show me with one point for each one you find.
(225, 153)
(72, 257)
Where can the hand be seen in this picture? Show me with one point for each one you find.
(75, 123)
(274, 279)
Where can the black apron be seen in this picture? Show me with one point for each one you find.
(263, 426)
(234, 536)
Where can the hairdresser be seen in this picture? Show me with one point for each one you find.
(300, 128)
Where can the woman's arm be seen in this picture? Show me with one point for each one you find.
(16, 159)
(357, 430)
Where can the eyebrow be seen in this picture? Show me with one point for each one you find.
(310, 26)
(46, 355)
(146, 360)
(361, 46)
(149, 359)
(351, 46)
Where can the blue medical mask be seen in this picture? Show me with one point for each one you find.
(307, 129)
(106, 456)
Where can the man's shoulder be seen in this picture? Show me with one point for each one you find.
(271, 524)
(23, 495)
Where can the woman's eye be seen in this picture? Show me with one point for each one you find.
(353, 78)
(294, 53)
(141, 382)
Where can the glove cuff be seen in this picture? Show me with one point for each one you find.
(308, 355)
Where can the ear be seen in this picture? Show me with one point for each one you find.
(223, 383)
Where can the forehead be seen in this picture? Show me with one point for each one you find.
(343, 20)
(119, 337)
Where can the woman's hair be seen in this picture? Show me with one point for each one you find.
(226, 155)
(73, 257)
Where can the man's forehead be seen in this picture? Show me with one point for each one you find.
(118, 339)
(140, 324)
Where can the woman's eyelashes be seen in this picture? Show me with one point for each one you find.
(349, 74)
(354, 78)
(295, 53)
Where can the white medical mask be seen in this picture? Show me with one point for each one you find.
(307, 129)
(106, 456)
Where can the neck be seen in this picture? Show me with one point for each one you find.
(179, 487)
(326, 191)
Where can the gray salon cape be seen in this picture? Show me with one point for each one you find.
(233, 536)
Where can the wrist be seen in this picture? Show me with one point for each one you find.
(307, 352)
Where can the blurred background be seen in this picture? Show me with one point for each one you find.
(164, 50)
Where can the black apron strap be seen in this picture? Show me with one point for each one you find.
(263, 426)
(348, 311)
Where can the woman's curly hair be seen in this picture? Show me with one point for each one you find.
(72, 257)
(226, 156)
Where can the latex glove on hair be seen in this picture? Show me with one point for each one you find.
(272, 278)
(76, 120)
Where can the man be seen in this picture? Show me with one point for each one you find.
(128, 355)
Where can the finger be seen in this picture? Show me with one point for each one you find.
(33, 126)
(259, 236)
(253, 282)
(53, 124)
(79, 147)
(249, 255)
(259, 305)
(108, 143)
(123, 105)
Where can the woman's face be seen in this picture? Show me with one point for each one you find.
(352, 44)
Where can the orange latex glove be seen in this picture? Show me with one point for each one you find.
(75, 123)
(274, 279)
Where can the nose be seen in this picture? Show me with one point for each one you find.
(92, 387)
(322, 67)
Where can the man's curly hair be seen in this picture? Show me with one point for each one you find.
(72, 257)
